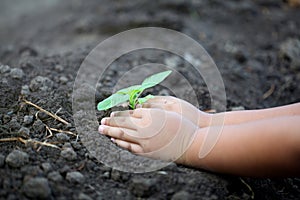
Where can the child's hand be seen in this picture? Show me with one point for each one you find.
(181, 107)
(154, 133)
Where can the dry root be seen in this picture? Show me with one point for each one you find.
(49, 129)
(28, 142)
(47, 112)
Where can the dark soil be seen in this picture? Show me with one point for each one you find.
(254, 44)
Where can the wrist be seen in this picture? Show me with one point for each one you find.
(204, 119)
(191, 156)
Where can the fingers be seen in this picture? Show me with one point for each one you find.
(151, 105)
(161, 99)
(132, 147)
(122, 122)
(161, 102)
(126, 113)
(119, 133)
(169, 106)
(121, 113)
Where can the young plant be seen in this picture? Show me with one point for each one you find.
(132, 93)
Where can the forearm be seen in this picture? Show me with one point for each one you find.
(260, 148)
(238, 117)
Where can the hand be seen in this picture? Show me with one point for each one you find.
(151, 132)
(181, 107)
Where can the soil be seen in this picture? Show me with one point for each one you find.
(42, 44)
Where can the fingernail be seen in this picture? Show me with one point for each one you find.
(113, 140)
(112, 114)
(103, 121)
(101, 128)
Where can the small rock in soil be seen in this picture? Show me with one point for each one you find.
(68, 154)
(76, 145)
(63, 79)
(24, 131)
(42, 115)
(116, 175)
(16, 73)
(14, 125)
(38, 126)
(172, 61)
(3, 81)
(75, 177)
(290, 50)
(119, 176)
(28, 119)
(83, 196)
(182, 195)
(106, 175)
(67, 145)
(55, 177)
(105, 168)
(190, 58)
(37, 188)
(27, 51)
(4, 69)
(31, 170)
(25, 90)
(10, 112)
(59, 68)
(2, 160)
(142, 187)
(46, 167)
(27, 63)
(65, 169)
(6, 118)
(17, 159)
(41, 83)
(62, 137)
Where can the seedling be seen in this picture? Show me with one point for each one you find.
(132, 93)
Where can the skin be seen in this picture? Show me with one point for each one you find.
(256, 143)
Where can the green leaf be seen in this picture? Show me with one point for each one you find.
(112, 101)
(144, 99)
(133, 95)
(155, 79)
(129, 89)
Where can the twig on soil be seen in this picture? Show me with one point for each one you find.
(249, 188)
(62, 131)
(40, 147)
(47, 112)
(269, 92)
(58, 111)
(26, 141)
(49, 129)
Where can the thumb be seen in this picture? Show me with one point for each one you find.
(150, 105)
